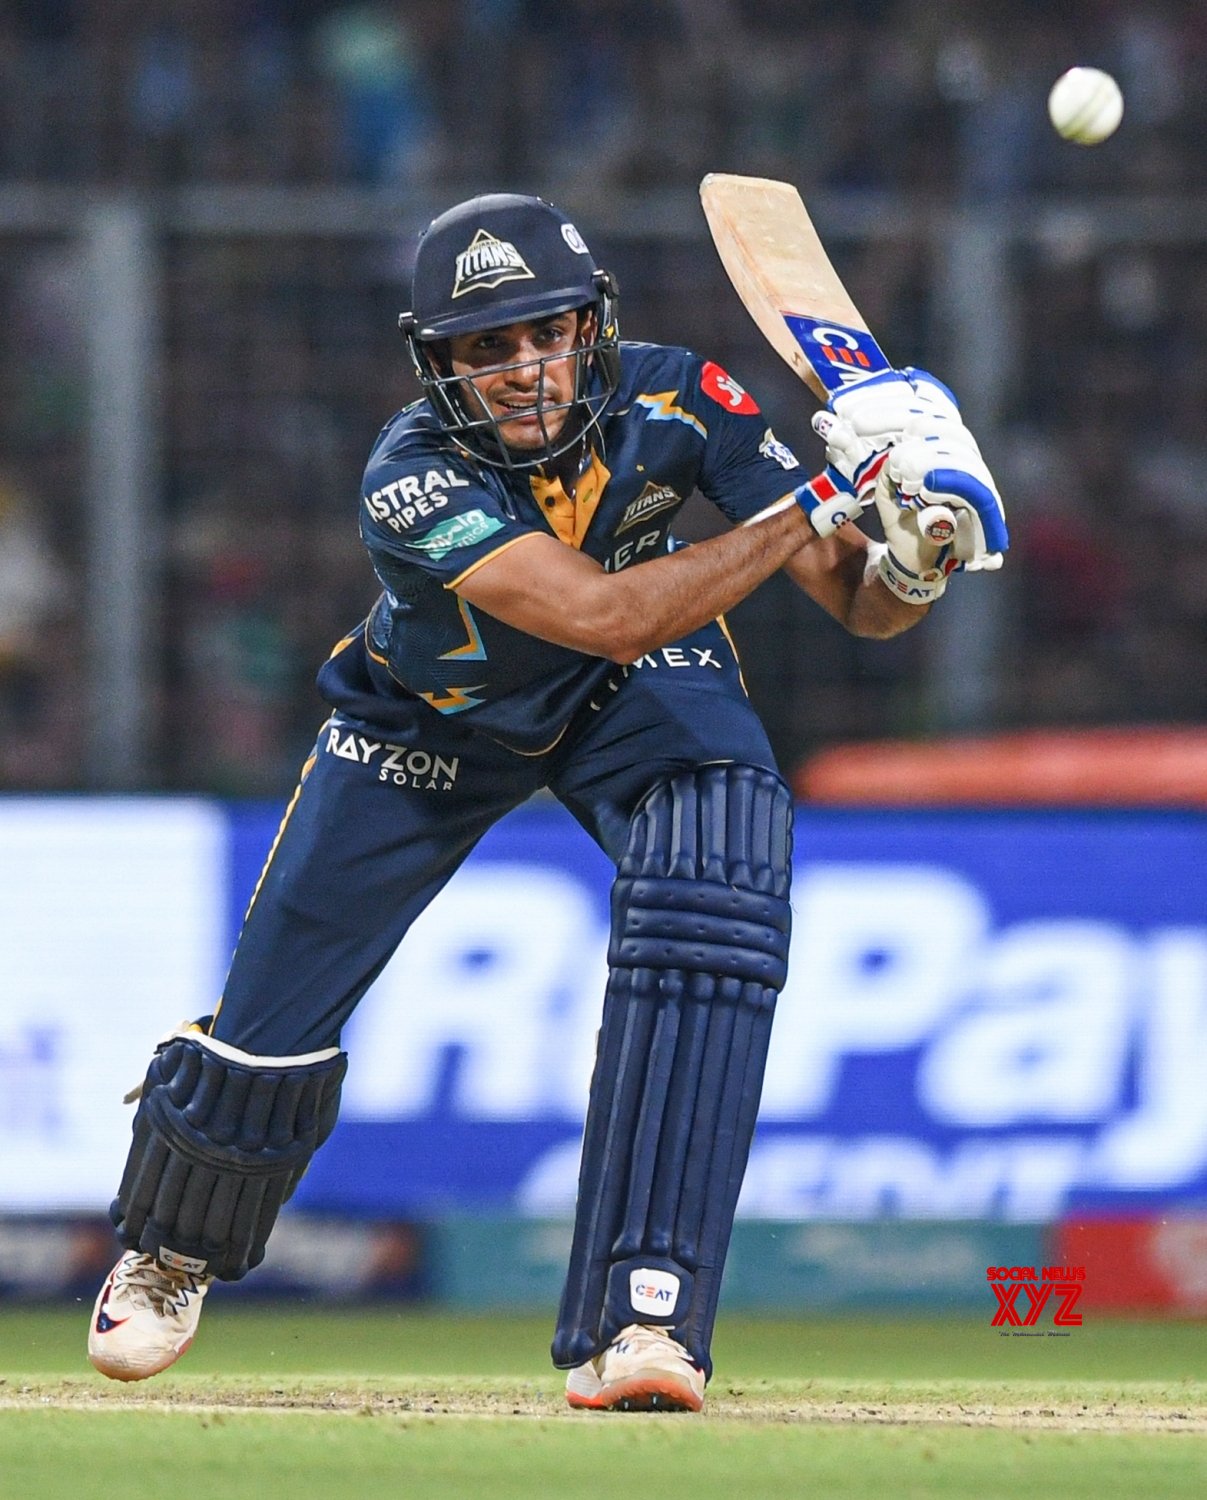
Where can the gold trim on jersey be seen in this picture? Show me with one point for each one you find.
(737, 659)
(342, 645)
(569, 516)
(473, 567)
(661, 407)
(545, 749)
(473, 650)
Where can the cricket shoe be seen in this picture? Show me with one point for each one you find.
(642, 1369)
(145, 1317)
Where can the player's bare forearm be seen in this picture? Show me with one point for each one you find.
(832, 572)
(550, 590)
(686, 589)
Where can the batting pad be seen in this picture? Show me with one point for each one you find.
(221, 1140)
(699, 950)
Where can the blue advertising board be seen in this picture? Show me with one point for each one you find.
(996, 1015)
(989, 1015)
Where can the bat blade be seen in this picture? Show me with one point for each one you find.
(780, 270)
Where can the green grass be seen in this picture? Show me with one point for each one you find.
(53, 1454)
(243, 1340)
(360, 1405)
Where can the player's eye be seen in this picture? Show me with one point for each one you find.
(552, 334)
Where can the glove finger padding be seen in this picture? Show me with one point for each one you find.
(876, 408)
(851, 460)
(973, 501)
(883, 407)
(864, 419)
(932, 399)
(897, 439)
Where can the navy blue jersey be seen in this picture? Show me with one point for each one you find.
(430, 516)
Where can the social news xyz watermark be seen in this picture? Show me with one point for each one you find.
(1028, 1299)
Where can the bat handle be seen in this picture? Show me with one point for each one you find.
(937, 524)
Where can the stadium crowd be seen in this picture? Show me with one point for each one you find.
(281, 358)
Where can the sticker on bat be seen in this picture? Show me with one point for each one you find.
(838, 355)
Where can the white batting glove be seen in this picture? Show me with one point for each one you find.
(866, 418)
(858, 425)
(940, 510)
(860, 422)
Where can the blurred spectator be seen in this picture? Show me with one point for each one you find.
(369, 54)
(236, 675)
(280, 356)
(164, 98)
(35, 749)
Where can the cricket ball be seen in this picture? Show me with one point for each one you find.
(1085, 105)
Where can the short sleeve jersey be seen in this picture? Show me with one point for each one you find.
(431, 516)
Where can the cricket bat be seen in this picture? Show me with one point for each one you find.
(780, 270)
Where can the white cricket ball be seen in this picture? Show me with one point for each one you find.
(1085, 105)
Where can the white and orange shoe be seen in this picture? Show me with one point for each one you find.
(642, 1369)
(145, 1317)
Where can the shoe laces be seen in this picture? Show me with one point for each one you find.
(152, 1285)
(642, 1337)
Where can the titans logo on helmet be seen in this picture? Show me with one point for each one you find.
(488, 262)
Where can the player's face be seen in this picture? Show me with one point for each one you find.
(519, 372)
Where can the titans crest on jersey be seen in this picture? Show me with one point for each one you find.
(431, 516)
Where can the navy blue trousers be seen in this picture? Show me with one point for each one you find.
(382, 819)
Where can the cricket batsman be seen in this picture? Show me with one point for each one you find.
(519, 518)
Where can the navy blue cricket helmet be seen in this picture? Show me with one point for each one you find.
(498, 259)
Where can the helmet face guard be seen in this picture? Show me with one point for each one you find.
(468, 420)
(491, 262)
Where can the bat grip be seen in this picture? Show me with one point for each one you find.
(937, 524)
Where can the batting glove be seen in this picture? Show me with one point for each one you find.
(829, 500)
(940, 510)
(861, 422)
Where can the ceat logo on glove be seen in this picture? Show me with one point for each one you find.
(726, 392)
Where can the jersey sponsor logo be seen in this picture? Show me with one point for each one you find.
(771, 447)
(627, 552)
(413, 498)
(458, 531)
(652, 500)
(397, 765)
(726, 392)
(675, 656)
(488, 262)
